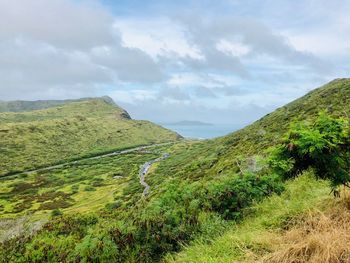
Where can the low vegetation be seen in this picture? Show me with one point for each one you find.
(84, 186)
(260, 233)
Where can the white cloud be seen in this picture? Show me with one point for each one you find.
(133, 96)
(253, 54)
(234, 48)
(156, 37)
(210, 81)
(62, 23)
(63, 45)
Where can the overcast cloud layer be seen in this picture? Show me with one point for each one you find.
(215, 61)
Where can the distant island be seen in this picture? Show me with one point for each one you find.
(189, 123)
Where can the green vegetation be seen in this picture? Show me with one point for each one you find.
(34, 139)
(210, 194)
(176, 210)
(258, 234)
(85, 186)
(323, 146)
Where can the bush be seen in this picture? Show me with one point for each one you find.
(229, 197)
(56, 212)
(89, 188)
(114, 205)
(75, 188)
(96, 182)
(323, 146)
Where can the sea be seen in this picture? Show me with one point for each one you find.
(203, 131)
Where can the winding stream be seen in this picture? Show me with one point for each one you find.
(144, 170)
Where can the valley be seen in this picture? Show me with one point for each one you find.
(88, 184)
(110, 189)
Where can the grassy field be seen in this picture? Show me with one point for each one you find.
(85, 187)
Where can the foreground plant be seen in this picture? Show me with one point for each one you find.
(322, 145)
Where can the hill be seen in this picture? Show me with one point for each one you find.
(206, 194)
(221, 155)
(266, 228)
(71, 130)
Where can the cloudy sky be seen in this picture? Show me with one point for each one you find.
(223, 61)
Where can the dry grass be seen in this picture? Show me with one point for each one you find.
(319, 237)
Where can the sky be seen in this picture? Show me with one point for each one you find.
(223, 61)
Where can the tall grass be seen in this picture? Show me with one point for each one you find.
(259, 233)
(319, 237)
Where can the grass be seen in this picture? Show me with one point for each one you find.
(86, 186)
(252, 140)
(44, 137)
(258, 234)
(319, 237)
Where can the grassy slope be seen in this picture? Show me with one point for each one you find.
(47, 136)
(333, 97)
(260, 232)
(206, 160)
(220, 156)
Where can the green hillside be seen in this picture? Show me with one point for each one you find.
(259, 234)
(201, 194)
(72, 130)
(220, 156)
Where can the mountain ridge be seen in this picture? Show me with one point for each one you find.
(30, 105)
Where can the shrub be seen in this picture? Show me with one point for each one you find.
(114, 205)
(323, 145)
(56, 212)
(89, 188)
(229, 197)
(96, 182)
(75, 188)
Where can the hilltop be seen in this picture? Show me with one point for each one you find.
(23, 105)
(67, 130)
